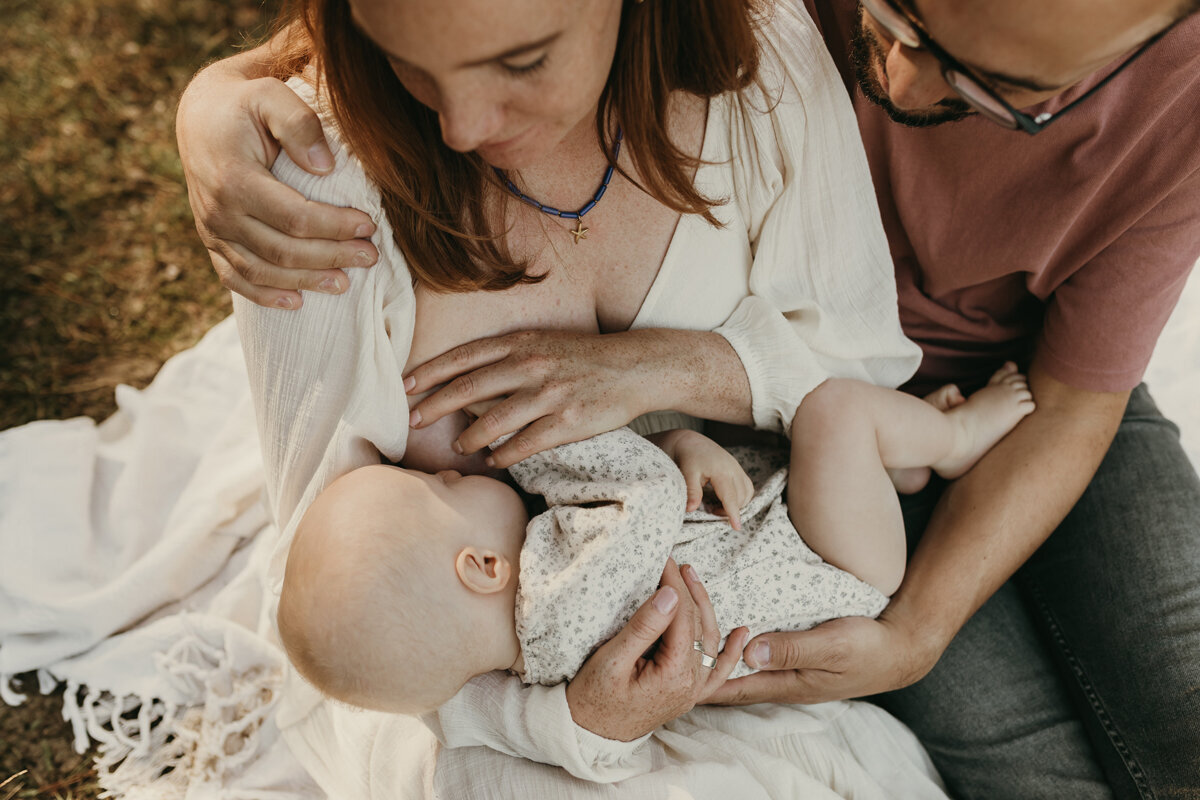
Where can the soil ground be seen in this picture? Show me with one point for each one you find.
(102, 276)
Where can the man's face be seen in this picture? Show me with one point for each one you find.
(1026, 50)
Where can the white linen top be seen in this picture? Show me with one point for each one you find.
(798, 279)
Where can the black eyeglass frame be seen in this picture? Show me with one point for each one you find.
(948, 63)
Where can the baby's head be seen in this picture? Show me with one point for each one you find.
(400, 586)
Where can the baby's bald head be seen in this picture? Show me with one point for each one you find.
(373, 611)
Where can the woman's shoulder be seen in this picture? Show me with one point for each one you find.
(347, 184)
(793, 59)
(796, 118)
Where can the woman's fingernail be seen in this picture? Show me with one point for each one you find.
(364, 231)
(690, 572)
(319, 157)
(330, 285)
(456, 447)
(491, 462)
(666, 599)
(284, 302)
(414, 419)
(410, 383)
(363, 259)
(759, 655)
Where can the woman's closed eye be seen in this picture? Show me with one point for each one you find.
(526, 68)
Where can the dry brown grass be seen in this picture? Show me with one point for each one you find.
(101, 274)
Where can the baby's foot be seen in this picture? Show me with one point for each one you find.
(910, 480)
(946, 398)
(985, 418)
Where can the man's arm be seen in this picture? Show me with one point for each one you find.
(231, 122)
(985, 526)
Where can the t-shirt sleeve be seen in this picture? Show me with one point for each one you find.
(1101, 324)
(822, 297)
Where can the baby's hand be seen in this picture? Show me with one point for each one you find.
(704, 462)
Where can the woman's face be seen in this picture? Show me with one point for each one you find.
(509, 79)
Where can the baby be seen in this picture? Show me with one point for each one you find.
(401, 585)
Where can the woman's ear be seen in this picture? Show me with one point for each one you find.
(482, 571)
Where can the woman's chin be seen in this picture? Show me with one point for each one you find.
(514, 153)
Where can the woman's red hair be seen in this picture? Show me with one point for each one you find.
(434, 197)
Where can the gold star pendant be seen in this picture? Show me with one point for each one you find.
(580, 232)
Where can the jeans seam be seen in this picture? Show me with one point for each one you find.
(1136, 773)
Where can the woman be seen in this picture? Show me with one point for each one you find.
(737, 237)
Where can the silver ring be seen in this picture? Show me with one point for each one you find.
(706, 660)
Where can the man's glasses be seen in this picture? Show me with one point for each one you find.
(902, 27)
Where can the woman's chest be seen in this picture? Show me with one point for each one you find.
(444, 320)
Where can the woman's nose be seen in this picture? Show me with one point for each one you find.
(914, 78)
(470, 116)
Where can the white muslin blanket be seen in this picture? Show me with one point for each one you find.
(131, 562)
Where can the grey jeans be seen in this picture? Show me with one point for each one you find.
(1080, 678)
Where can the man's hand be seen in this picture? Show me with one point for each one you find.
(650, 673)
(840, 659)
(266, 241)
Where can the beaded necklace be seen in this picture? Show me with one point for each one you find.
(580, 232)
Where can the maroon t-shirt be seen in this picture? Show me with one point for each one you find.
(1075, 242)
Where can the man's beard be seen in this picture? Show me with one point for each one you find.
(865, 52)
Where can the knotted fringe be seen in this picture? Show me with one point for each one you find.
(155, 750)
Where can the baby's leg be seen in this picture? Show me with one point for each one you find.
(847, 435)
(910, 480)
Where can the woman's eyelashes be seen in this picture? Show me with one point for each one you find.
(525, 69)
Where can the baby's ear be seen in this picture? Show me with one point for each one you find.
(482, 571)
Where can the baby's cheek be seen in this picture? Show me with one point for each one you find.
(429, 448)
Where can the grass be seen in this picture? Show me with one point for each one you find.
(102, 277)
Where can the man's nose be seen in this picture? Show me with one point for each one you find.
(914, 78)
(470, 116)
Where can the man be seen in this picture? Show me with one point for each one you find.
(1064, 250)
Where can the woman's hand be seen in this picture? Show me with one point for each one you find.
(558, 387)
(266, 241)
(650, 672)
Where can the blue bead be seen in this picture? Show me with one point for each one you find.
(512, 187)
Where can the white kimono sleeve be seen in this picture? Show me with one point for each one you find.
(822, 288)
(327, 383)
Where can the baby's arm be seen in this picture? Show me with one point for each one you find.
(702, 462)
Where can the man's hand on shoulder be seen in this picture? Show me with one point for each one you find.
(266, 241)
